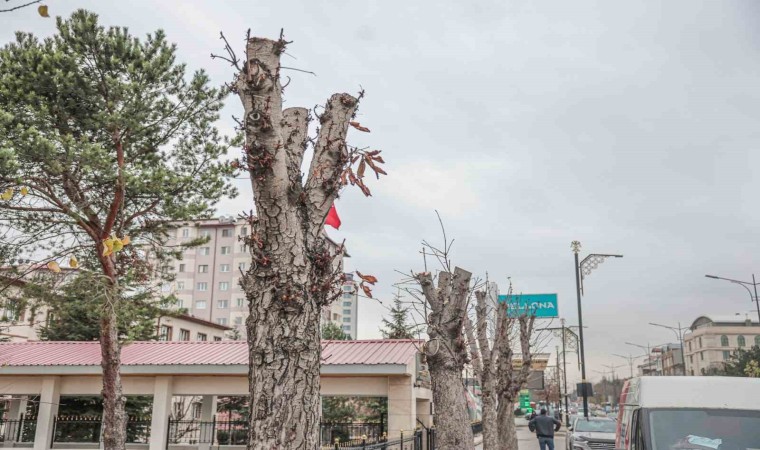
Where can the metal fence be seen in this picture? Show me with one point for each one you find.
(89, 429)
(423, 439)
(355, 432)
(18, 430)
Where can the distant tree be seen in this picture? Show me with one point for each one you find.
(398, 326)
(332, 331)
(337, 409)
(105, 140)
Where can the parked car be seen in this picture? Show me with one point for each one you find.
(597, 433)
(689, 413)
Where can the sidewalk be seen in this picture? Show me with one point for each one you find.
(527, 440)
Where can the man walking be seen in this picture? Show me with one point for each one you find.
(545, 426)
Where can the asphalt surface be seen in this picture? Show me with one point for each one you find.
(527, 440)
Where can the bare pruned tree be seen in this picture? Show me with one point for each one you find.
(293, 274)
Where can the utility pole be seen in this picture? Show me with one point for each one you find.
(582, 270)
(565, 330)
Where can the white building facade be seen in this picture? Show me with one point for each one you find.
(712, 339)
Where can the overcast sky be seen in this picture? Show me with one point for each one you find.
(630, 126)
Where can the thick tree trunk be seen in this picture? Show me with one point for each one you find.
(506, 421)
(490, 424)
(114, 416)
(283, 338)
(453, 430)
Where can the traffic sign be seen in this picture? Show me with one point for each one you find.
(540, 305)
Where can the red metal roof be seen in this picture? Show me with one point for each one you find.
(196, 353)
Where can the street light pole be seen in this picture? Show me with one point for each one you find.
(745, 285)
(583, 269)
(564, 330)
(630, 359)
(679, 334)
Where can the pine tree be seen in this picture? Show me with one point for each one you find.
(332, 331)
(398, 327)
(104, 142)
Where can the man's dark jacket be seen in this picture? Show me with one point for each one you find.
(544, 426)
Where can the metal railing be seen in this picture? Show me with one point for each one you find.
(344, 432)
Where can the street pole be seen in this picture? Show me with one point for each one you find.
(564, 370)
(679, 334)
(744, 284)
(583, 269)
(580, 335)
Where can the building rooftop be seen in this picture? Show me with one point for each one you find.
(230, 353)
(723, 319)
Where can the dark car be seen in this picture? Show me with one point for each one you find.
(594, 433)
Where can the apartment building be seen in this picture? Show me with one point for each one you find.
(207, 280)
(348, 303)
(712, 339)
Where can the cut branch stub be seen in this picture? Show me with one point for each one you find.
(330, 156)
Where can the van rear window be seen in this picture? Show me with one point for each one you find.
(704, 429)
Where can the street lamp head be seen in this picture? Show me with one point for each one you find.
(576, 246)
(712, 276)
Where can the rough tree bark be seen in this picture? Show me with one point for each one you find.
(446, 354)
(511, 381)
(292, 275)
(484, 356)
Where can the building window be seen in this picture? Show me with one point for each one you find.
(201, 337)
(240, 302)
(224, 285)
(348, 288)
(724, 341)
(346, 312)
(222, 321)
(217, 338)
(227, 232)
(226, 250)
(224, 268)
(241, 266)
(184, 335)
(202, 286)
(206, 233)
(180, 303)
(244, 231)
(181, 268)
(701, 356)
(222, 304)
(347, 304)
(346, 327)
(186, 232)
(740, 341)
(204, 251)
(238, 320)
(347, 319)
(165, 333)
(691, 359)
(700, 342)
(203, 268)
(335, 317)
(200, 304)
(689, 345)
(347, 295)
(757, 341)
(243, 248)
(180, 285)
(726, 355)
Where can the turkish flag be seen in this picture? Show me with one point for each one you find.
(332, 218)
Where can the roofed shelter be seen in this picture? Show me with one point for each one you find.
(376, 368)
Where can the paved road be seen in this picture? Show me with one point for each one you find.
(527, 440)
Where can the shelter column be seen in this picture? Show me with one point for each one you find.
(50, 396)
(162, 409)
(208, 410)
(402, 406)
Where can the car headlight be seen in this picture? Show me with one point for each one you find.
(580, 439)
